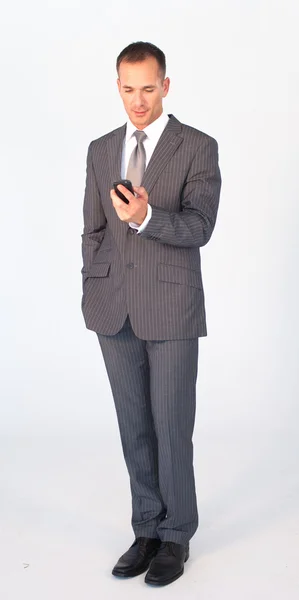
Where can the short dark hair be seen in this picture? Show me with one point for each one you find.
(139, 51)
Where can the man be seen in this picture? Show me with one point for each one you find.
(143, 296)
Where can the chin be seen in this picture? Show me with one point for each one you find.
(141, 121)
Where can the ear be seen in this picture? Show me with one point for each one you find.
(118, 84)
(166, 84)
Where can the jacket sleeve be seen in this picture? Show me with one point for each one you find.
(93, 216)
(193, 225)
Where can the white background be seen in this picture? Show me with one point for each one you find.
(65, 498)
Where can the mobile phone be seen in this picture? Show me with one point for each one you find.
(127, 184)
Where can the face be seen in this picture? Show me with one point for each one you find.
(142, 90)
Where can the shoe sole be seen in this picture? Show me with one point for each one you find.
(129, 575)
(166, 582)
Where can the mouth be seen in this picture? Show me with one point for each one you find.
(140, 113)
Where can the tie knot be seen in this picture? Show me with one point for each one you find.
(140, 136)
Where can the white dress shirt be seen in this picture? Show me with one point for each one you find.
(153, 132)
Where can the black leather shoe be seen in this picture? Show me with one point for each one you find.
(168, 564)
(137, 559)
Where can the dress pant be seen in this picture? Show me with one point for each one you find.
(154, 389)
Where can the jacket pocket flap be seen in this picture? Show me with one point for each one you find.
(175, 274)
(99, 270)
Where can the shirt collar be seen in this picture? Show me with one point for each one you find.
(153, 131)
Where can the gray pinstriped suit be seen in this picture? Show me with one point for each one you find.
(143, 295)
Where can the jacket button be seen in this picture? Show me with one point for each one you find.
(130, 265)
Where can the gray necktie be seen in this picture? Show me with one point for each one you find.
(136, 166)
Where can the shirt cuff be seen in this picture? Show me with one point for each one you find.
(143, 225)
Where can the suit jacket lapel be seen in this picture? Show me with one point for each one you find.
(114, 151)
(168, 143)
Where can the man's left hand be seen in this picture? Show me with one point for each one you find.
(136, 210)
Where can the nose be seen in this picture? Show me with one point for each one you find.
(138, 100)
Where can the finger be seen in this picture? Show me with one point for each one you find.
(138, 190)
(141, 193)
(114, 197)
(117, 202)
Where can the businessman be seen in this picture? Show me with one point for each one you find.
(143, 296)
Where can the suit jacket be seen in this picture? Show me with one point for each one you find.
(155, 276)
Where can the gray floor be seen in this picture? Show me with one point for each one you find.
(65, 518)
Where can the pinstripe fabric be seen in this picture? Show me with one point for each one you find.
(153, 385)
(155, 276)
